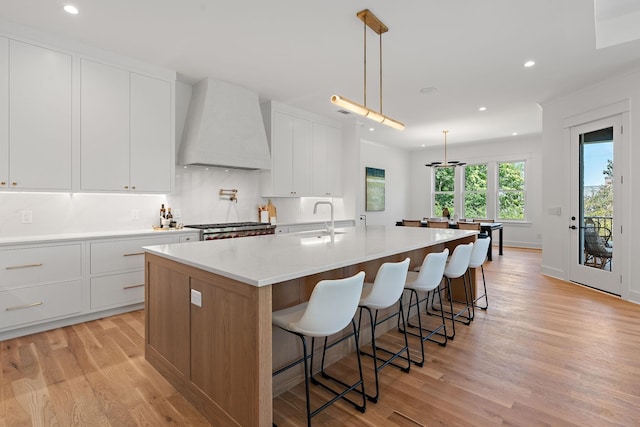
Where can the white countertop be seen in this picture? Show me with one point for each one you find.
(265, 260)
(49, 238)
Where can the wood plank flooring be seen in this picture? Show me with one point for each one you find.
(546, 352)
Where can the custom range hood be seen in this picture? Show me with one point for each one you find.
(224, 128)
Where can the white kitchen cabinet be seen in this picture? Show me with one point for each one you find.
(291, 150)
(4, 112)
(305, 153)
(36, 152)
(150, 134)
(327, 161)
(39, 283)
(117, 270)
(125, 130)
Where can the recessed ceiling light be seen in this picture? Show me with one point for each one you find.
(529, 64)
(429, 89)
(71, 9)
(423, 145)
(371, 129)
(482, 109)
(514, 134)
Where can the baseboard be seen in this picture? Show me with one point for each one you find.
(556, 273)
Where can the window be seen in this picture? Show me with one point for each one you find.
(511, 188)
(475, 191)
(444, 194)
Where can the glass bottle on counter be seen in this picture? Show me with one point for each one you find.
(172, 223)
(162, 214)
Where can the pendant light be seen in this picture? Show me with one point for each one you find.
(450, 163)
(371, 21)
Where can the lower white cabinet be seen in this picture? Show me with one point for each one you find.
(36, 304)
(57, 283)
(117, 270)
(117, 290)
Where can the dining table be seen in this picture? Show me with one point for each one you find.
(486, 227)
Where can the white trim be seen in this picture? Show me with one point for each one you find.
(599, 113)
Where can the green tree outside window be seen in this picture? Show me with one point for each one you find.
(511, 190)
(475, 191)
(444, 190)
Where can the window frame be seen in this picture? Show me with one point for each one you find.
(464, 191)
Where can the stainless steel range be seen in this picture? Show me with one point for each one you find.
(231, 230)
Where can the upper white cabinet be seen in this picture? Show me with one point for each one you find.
(291, 152)
(327, 160)
(4, 112)
(151, 145)
(305, 153)
(36, 140)
(125, 130)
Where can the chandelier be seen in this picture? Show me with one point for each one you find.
(450, 163)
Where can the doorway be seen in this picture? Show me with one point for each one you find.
(595, 204)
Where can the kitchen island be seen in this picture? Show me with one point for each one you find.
(208, 306)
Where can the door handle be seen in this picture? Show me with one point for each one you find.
(573, 227)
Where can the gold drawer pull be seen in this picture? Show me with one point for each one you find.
(18, 307)
(15, 267)
(133, 286)
(134, 253)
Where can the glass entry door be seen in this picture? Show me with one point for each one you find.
(594, 224)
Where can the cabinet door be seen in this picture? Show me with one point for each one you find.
(104, 127)
(302, 157)
(40, 119)
(150, 134)
(334, 153)
(282, 152)
(327, 160)
(321, 167)
(4, 112)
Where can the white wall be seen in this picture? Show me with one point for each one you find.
(395, 162)
(527, 234)
(556, 183)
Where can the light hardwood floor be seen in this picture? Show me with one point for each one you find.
(545, 353)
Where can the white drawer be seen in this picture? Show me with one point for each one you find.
(189, 237)
(122, 255)
(117, 290)
(38, 303)
(38, 265)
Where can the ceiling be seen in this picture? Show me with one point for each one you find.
(300, 53)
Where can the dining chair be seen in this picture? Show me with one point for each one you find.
(385, 292)
(437, 224)
(428, 281)
(330, 309)
(468, 225)
(483, 220)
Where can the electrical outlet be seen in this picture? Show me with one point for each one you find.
(135, 214)
(27, 217)
(196, 298)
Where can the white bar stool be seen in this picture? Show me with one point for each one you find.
(428, 280)
(386, 292)
(457, 267)
(478, 258)
(330, 309)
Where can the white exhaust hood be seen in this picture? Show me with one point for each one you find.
(224, 128)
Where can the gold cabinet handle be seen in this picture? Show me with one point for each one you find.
(133, 187)
(14, 183)
(126, 187)
(15, 267)
(3, 183)
(133, 286)
(18, 307)
(134, 254)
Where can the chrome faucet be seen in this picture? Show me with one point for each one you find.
(315, 209)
